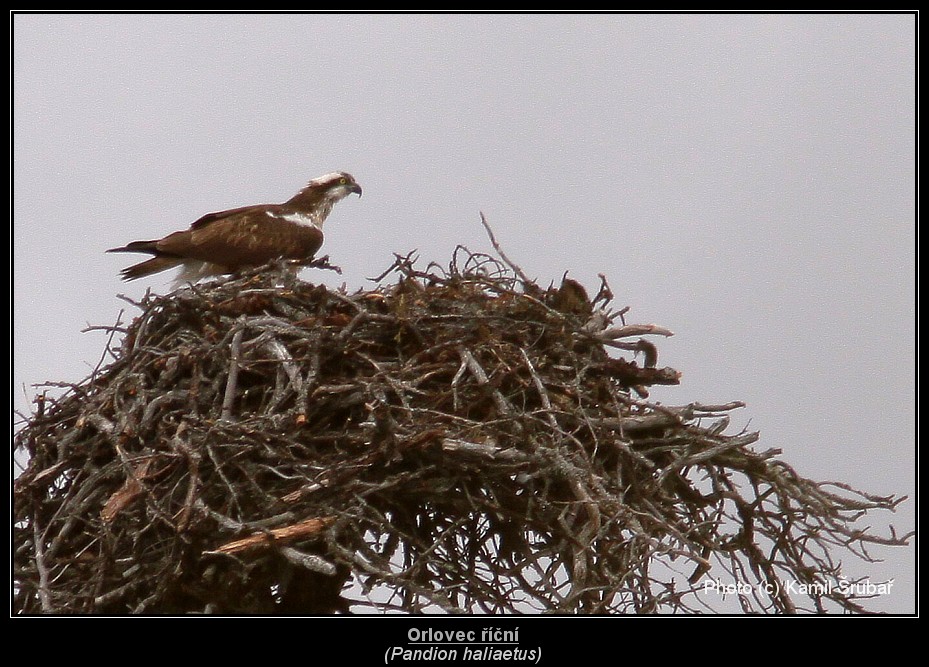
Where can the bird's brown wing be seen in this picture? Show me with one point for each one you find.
(218, 215)
(248, 237)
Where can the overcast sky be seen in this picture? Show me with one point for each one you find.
(747, 181)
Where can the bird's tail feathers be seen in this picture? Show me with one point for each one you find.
(137, 246)
(149, 266)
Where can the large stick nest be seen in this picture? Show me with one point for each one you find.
(456, 439)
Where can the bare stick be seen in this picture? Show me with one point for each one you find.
(233, 377)
(292, 533)
(309, 561)
(506, 260)
(633, 330)
(44, 596)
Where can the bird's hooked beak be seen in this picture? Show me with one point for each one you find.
(354, 187)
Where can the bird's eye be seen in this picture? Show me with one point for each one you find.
(343, 181)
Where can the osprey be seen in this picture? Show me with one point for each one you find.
(248, 236)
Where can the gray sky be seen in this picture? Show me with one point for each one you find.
(744, 180)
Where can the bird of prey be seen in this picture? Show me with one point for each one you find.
(249, 236)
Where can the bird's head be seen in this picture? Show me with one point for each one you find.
(320, 194)
(335, 186)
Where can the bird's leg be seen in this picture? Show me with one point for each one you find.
(286, 270)
(323, 263)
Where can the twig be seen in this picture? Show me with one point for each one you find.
(39, 541)
(506, 260)
(233, 375)
(299, 531)
(481, 376)
(632, 330)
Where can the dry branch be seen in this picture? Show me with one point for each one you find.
(278, 536)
